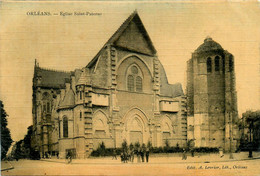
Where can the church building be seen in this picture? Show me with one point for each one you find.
(121, 94)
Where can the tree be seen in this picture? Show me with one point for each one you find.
(6, 139)
(252, 122)
(124, 146)
(23, 149)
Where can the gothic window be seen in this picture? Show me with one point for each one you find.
(46, 102)
(65, 127)
(217, 63)
(231, 63)
(209, 66)
(139, 86)
(130, 83)
(134, 79)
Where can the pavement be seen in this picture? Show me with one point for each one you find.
(166, 159)
(6, 165)
(160, 164)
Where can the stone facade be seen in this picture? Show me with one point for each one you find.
(122, 94)
(211, 97)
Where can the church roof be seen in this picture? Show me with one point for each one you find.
(69, 100)
(133, 17)
(209, 45)
(166, 89)
(51, 78)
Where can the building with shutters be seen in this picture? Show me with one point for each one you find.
(121, 94)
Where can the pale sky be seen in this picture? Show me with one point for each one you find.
(66, 43)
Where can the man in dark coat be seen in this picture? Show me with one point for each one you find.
(147, 154)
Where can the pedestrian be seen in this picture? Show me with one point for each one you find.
(69, 157)
(122, 156)
(192, 152)
(46, 155)
(138, 153)
(221, 152)
(147, 154)
(184, 156)
(143, 152)
(132, 155)
(114, 154)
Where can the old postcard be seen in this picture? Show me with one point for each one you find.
(130, 87)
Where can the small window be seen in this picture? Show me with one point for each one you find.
(48, 107)
(130, 83)
(80, 116)
(65, 127)
(209, 66)
(139, 86)
(80, 95)
(217, 63)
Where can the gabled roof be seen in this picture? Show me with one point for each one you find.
(133, 17)
(50, 78)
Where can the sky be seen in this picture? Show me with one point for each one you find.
(69, 42)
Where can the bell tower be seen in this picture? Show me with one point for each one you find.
(211, 96)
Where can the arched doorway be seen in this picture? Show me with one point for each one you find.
(136, 130)
(135, 127)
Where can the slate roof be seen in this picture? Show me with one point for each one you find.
(121, 29)
(209, 45)
(68, 101)
(51, 78)
(166, 89)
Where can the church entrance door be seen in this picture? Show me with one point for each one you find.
(135, 130)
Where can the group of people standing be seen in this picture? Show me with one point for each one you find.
(128, 154)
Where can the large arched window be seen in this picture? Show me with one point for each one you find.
(209, 66)
(65, 127)
(217, 63)
(231, 64)
(134, 79)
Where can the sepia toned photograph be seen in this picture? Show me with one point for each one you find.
(130, 87)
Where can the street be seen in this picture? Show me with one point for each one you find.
(107, 166)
